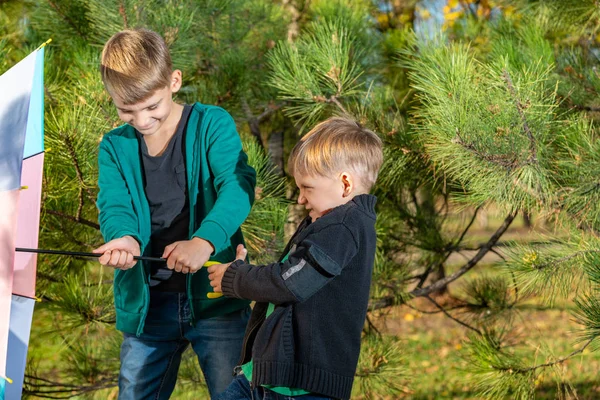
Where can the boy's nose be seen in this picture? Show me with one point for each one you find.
(142, 120)
(301, 199)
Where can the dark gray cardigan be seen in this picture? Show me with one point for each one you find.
(321, 292)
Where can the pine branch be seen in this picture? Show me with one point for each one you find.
(563, 259)
(458, 307)
(69, 21)
(532, 144)
(63, 391)
(500, 160)
(123, 14)
(294, 26)
(253, 122)
(462, 236)
(382, 302)
(73, 154)
(450, 250)
(465, 268)
(549, 364)
(452, 317)
(74, 219)
(333, 99)
(586, 108)
(269, 111)
(372, 326)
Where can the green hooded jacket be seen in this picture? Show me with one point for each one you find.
(221, 192)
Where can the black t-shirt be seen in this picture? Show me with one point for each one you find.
(166, 191)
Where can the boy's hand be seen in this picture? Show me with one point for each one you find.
(216, 272)
(119, 252)
(188, 256)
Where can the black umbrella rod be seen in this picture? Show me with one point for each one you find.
(82, 254)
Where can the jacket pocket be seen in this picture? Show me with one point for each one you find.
(129, 290)
(307, 276)
(275, 338)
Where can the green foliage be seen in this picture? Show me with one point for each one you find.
(483, 125)
(488, 298)
(492, 116)
(380, 370)
(588, 315)
(317, 72)
(498, 373)
(83, 301)
(548, 270)
(263, 229)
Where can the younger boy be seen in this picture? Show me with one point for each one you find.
(174, 183)
(304, 334)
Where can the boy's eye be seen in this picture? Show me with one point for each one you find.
(152, 107)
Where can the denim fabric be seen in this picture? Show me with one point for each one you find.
(240, 389)
(149, 363)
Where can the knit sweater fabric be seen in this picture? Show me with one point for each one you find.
(311, 341)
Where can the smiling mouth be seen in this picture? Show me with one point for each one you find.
(145, 128)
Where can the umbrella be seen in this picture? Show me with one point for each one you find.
(21, 166)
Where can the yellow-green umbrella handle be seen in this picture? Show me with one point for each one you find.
(212, 295)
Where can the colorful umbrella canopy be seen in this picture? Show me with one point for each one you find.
(21, 167)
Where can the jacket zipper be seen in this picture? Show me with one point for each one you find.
(250, 332)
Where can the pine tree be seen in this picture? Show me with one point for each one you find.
(495, 114)
(220, 48)
(489, 119)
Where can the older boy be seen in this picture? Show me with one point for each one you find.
(303, 338)
(174, 183)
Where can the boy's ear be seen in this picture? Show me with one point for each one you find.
(176, 81)
(347, 182)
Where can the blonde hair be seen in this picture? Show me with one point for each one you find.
(335, 145)
(135, 63)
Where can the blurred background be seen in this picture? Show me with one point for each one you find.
(488, 261)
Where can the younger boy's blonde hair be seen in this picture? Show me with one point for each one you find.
(135, 63)
(335, 145)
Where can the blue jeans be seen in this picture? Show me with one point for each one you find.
(149, 363)
(240, 390)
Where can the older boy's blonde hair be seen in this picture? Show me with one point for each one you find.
(336, 145)
(135, 63)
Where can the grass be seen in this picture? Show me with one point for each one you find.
(432, 344)
(433, 352)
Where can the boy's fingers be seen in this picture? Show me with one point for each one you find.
(123, 258)
(178, 267)
(168, 250)
(129, 261)
(101, 249)
(240, 252)
(114, 257)
(104, 258)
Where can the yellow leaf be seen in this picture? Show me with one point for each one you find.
(452, 3)
(409, 317)
(383, 19)
(510, 10)
(530, 257)
(453, 15)
(425, 14)
(404, 18)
